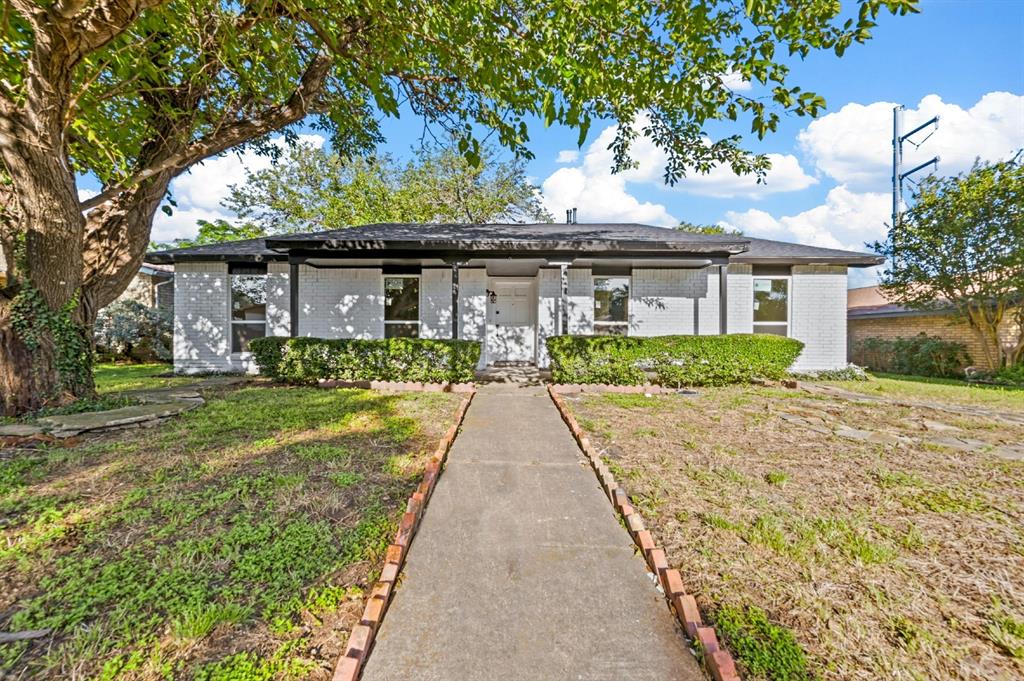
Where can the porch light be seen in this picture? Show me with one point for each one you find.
(492, 296)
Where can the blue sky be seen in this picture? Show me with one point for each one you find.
(960, 59)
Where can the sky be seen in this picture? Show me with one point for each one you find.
(829, 185)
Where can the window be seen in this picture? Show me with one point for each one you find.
(611, 306)
(248, 305)
(402, 307)
(771, 305)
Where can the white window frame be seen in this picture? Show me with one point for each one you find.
(788, 278)
(629, 298)
(419, 303)
(231, 313)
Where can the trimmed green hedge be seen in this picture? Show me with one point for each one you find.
(307, 360)
(671, 360)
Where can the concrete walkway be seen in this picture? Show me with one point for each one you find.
(520, 569)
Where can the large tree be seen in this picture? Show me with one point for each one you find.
(961, 244)
(315, 189)
(134, 92)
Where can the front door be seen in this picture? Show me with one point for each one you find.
(511, 330)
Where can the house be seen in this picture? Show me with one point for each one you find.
(153, 286)
(870, 314)
(508, 286)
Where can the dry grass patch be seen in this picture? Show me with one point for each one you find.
(231, 543)
(824, 557)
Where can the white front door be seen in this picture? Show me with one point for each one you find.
(511, 330)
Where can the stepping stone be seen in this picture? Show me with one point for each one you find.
(73, 424)
(19, 430)
(939, 427)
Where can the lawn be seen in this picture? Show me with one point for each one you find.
(112, 378)
(919, 388)
(827, 557)
(233, 542)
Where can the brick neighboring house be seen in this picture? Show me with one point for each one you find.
(153, 286)
(870, 315)
(507, 286)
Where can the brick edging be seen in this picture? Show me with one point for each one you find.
(411, 386)
(360, 639)
(574, 388)
(717, 660)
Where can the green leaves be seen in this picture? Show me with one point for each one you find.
(962, 243)
(188, 69)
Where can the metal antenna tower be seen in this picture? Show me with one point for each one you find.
(898, 174)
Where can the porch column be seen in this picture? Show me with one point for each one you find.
(723, 299)
(455, 300)
(293, 299)
(564, 301)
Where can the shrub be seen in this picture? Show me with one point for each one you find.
(1012, 375)
(671, 360)
(268, 352)
(920, 355)
(127, 329)
(307, 360)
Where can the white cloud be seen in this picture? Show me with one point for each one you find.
(600, 198)
(183, 222)
(200, 191)
(854, 145)
(846, 220)
(567, 156)
(736, 82)
(600, 195)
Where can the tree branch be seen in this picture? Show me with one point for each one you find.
(295, 108)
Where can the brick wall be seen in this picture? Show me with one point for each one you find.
(341, 303)
(673, 301)
(817, 316)
(202, 335)
(279, 321)
(740, 299)
(944, 326)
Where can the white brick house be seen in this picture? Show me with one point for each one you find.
(507, 286)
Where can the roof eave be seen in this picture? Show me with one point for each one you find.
(341, 246)
(850, 260)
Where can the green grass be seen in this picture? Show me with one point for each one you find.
(766, 650)
(921, 388)
(199, 548)
(112, 378)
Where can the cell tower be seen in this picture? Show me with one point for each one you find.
(898, 174)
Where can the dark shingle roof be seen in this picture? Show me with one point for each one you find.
(591, 239)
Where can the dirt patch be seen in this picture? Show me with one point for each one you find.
(882, 552)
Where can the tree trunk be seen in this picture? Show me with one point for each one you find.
(28, 378)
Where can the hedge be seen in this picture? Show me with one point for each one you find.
(920, 355)
(307, 360)
(671, 360)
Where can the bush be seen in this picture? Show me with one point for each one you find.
(307, 360)
(920, 355)
(1011, 375)
(127, 329)
(671, 360)
(268, 352)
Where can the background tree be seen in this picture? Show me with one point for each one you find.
(685, 226)
(962, 244)
(213, 232)
(313, 189)
(134, 92)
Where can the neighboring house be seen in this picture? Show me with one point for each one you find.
(508, 286)
(153, 286)
(871, 315)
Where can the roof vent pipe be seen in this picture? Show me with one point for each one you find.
(568, 216)
(574, 216)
